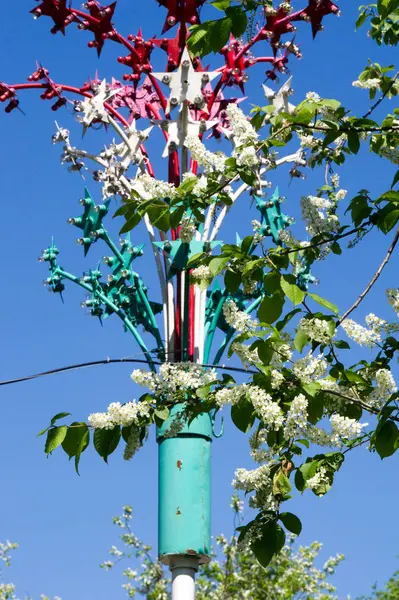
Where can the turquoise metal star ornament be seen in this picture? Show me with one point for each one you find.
(273, 220)
(178, 252)
(91, 221)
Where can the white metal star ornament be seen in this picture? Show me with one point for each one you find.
(279, 100)
(93, 108)
(178, 131)
(186, 83)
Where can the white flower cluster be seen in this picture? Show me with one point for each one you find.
(283, 352)
(148, 187)
(372, 83)
(269, 411)
(201, 276)
(386, 386)
(345, 428)
(133, 444)
(258, 236)
(309, 367)
(230, 395)
(257, 480)
(187, 230)
(361, 335)
(245, 354)
(277, 379)
(393, 299)
(391, 154)
(238, 319)
(317, 215)
(341, 195)
(247, 157)
(242, 129)
(297, 416)
(313, 97)
(119, 414)
(335, 180)
(316, 329)
(319, 478)
(175, 380)
(210, 161)
(308, 141)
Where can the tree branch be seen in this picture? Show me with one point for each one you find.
(374, 278)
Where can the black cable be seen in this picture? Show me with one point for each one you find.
(109, 361)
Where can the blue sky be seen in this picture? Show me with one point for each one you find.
(63, 522)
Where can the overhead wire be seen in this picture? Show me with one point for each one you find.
(108, 361)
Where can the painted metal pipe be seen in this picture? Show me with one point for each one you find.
(183, 570)
(184, 514)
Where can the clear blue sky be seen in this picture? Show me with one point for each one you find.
(63, 522)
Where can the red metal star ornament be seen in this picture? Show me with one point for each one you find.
(58, 11)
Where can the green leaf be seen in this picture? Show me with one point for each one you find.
(55, 437)
(300, 341)
(291, 522)
(162, 413)
(270, 542)
(281, 484)
(386, 442)
(342, 345)
(291, 290)
(221, 4)
(232, 281)
(242, 415)
(395, 179)
(217, 264)
(219, 33)
(131, 223)
(325, 303)
(76, 441)
(271, 308)
(106, 441)
(353, 141)
(388, 220)
(159, 217)
(239, 20)
(60, 415)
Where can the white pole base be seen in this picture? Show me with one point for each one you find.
(183, 570)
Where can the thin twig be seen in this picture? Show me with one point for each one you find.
(374, 278)
(374, 106)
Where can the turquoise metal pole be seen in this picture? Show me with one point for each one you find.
(184, 517)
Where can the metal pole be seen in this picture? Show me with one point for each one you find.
(183, 570)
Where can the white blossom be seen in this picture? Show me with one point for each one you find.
(367, 84)
(243, 132)
(230, 395)
(318, 219)
(386, 386)
(361, 335)
(319, 478)
(277, 379)
(345, 428)
(269, 411)
(313, 97)
(341, 195)
(245, 354)
(393, 299)
(175, 380)
(210, 161)
(297, 416)
(148, 187)
(187, 230)
(238, 319)
(316, 329)
(309, 367)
